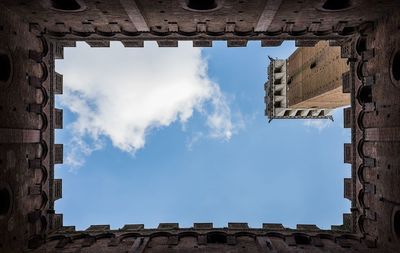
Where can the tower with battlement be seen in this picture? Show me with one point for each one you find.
(307, 85)
(34, 33)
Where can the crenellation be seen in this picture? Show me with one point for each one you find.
(236, 43)
(58, 153)
(202, 43)
(58, 84)
(167, 43)
(307, 227)
(348, 189)
(98, 43)
(168, 226)
(348, 154)
(57, 189)
(57, 221)
(66, 229)
(133, 227)
(271, 43)
(306, 43)
(132, 43)
(58, 118)
(273, 226)
(98, 228)
(346, 82)
(150, 239)
(347, 223)
(238, 225)
(347, 117)
(208, 226)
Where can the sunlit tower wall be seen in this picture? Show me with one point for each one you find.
(276, 98)
(314, 77)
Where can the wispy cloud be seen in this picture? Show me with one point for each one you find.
(319, 124)
(122, 94)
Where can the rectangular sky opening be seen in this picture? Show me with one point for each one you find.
(156, 135)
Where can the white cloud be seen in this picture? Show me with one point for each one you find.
(122, 94)
(196, 137)
(319, 124)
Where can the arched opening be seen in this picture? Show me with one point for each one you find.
(365, 95)
(302, 239)
(335, 5)
(202, 5)
(361, 45)
(216, 238)
(313, 65)
(396, 223)
(65, 5)
(5, 201)
(5, 67)
(396, 66)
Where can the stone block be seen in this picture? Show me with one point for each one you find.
(58, 87)
(57, 188)
(271, 43)
(168, 226)
(167, 43)
(58, 118)
(202, 43)
(348, 189)
(58, 153)
(203, 226)
(348, 154)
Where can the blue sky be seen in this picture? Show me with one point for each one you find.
(206, 154)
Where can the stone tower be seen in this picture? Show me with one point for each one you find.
(308, 85)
